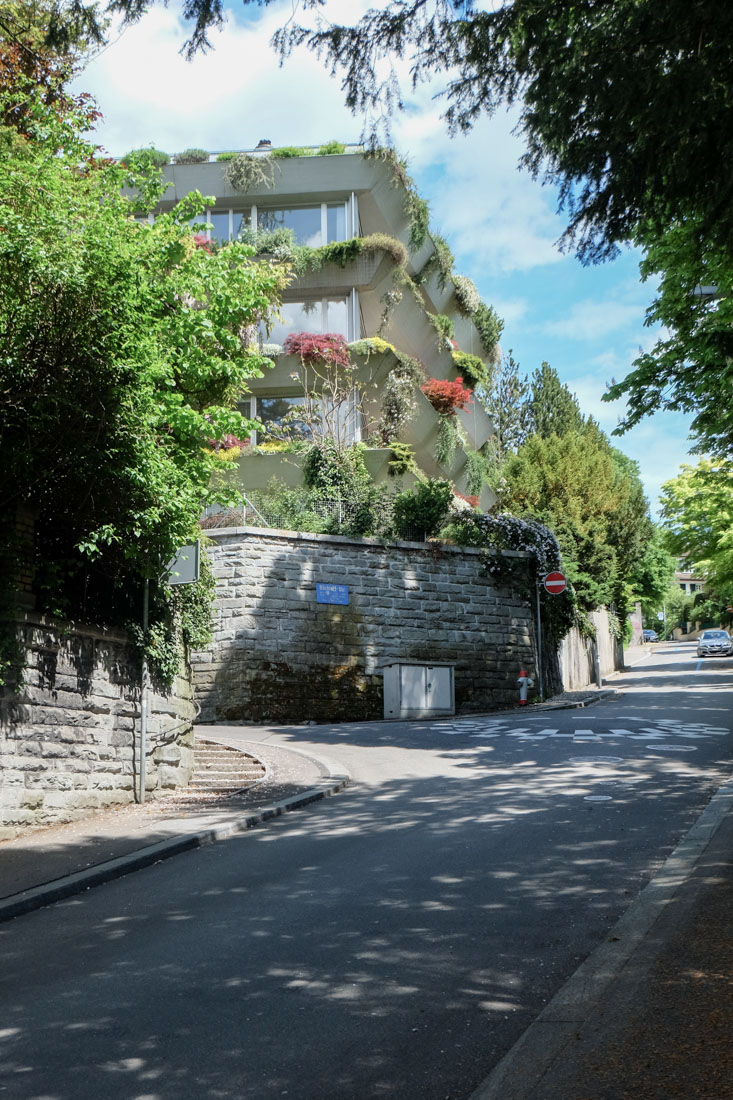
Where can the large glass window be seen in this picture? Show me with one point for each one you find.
(336, 221)
(305, 222)
(317, 315)
(279, 416)
(219, 221)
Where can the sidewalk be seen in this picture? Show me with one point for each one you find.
(55, 862)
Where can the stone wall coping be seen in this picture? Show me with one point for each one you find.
(67, 626)
(345, 540)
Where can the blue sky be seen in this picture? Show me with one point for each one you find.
(588, 323)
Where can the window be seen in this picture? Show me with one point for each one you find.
(279, 416)
(312, 225)
(316, 315)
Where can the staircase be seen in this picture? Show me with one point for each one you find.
(221, 770)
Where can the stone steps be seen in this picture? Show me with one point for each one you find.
(219, 769)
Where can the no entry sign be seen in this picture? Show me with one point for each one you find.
(555, 583)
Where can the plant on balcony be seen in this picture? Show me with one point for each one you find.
(330, 148)
(447, 397)
(444, 330)
(440, 260)
(467, 296)
(285, 152)
(192, 156)
(248, 172)
(399, 399)
(477, 471)
(402, 460)
(144, 158)
(370, 345)
(328, 348)
(474, 372)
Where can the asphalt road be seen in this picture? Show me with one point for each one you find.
(393, 941)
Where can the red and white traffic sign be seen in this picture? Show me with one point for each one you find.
(555, 583)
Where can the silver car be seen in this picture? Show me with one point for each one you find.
(714, 643)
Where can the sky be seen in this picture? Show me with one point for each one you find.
(586, 322)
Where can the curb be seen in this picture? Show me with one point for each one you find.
(521, 1070)
(58, 889)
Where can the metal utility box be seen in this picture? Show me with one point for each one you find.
(418, 690)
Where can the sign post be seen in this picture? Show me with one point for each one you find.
(555, 583)
(184, 568)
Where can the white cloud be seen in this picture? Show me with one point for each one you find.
(590, 320)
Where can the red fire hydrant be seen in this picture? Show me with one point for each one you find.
(524, 682)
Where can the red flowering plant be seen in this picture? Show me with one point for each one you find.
(447, 397)
(328, 348)
(202, 241)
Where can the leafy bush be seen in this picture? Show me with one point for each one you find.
(278, 243)
(473, 370)
(223, 157)
(145, 158)
(284, 152)
(192, 156)
(371, 345)
(444, 329)
(447, 397)
(490, 327)
(402, 460)
(399, 399)
(328, 348)
(424, 509)
(330, 148)
(446, 441)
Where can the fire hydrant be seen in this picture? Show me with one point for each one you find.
(525, 682)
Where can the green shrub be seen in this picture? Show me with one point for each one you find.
(490, 327)
(192, 156)
(146, 157)
(424, 509)
(330, 148)
(473, 370)
(226, 156)
(284, 152)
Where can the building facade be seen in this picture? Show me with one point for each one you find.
(368, 276)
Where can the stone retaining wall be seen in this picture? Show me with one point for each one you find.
(69, 739)
(578, 654)
(279, 655)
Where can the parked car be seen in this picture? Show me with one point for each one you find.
(714, 643)
(650, 636)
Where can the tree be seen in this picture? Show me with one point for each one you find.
(551, 409)
(591, 497)
(123, 357)
(652, 575)
(625, 105)
(697, 514)
(507, 407)
(690, 368)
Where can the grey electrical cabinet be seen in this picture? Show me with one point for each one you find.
(418, 690)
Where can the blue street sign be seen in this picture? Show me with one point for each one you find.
(332, 593)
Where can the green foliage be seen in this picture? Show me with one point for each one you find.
(444, 330)
(689, 369)
(402, 460)
(399, 396)
(340, 474)
(285, 152)
(371, 345)
(331, 148)
(476, 472)
(507, 406)
(552, 409)
(224, 157)
(422, 511)
(446, 440)
(418, 212)
(489, 326)
(440, 260)
(697, 515)
(192, 156)
(591, 497)
(474, 372)
(122, 357)
(146, 158)
(248, 172)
